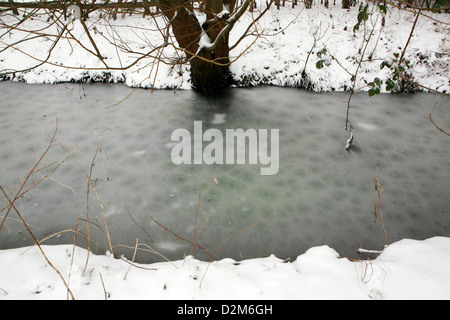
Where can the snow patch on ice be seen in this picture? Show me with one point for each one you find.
(219, 118)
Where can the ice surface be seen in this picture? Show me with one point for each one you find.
(322, 194)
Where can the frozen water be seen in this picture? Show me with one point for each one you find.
(322, 194)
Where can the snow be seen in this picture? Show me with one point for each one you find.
(277, 57)
(407, 269)
(204, 42)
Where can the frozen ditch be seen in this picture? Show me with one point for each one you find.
(322, 193)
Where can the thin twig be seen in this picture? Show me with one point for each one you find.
(30, 173)
(87, 203)
(356, 73)
(181, 238)
(132, 260)
(199, 206)
(11, 203)
(409, 38)
(129, 213)
(434, 122)
(104, 289)
(231, 236)
(377, 204)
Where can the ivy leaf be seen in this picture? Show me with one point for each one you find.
(385, 64)
(322, 52)
(363, 15)
(382, 8)
(378, 82)
(374, 91)
(390, 85)
(319, 64)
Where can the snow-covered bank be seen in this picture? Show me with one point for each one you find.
(408, 269)
(288, 43)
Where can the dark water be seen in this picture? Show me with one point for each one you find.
(322, 193)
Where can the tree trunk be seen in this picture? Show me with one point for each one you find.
(209, 68)
(13, 7)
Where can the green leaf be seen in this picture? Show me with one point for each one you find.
(365, 14)
(385, 64)
(382, 8)
(319, 54)
(390, 84)
(319, 64)
(378, 82)
(440, 3)
(374, 91)
(323, 51)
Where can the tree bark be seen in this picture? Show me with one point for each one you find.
(210, 71)
(13, 7)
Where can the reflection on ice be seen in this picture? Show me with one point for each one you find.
(219, 118)
(367, 126)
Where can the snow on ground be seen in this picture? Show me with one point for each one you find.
(408, 269)
(278, 56)
(280, 59)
